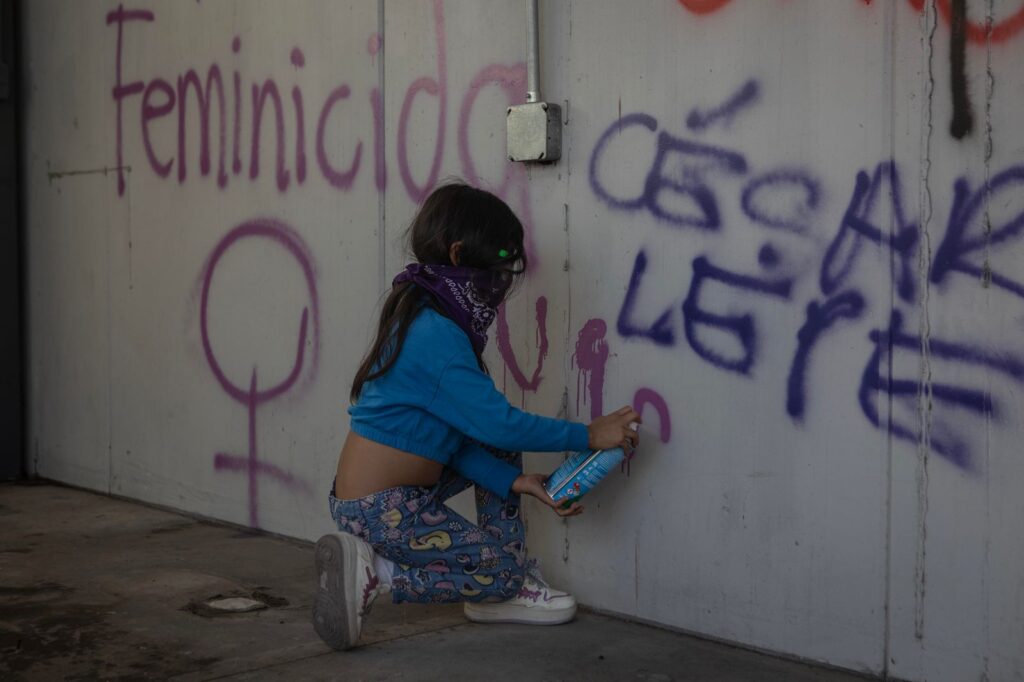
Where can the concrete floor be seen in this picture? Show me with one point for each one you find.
(97, 588)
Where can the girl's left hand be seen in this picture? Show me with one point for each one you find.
(533, 484)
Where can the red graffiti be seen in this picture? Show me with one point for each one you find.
(703, 6)
(977, 33)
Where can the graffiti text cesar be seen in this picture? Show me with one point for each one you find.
(684, 188)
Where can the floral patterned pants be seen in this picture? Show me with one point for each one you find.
(439, 555)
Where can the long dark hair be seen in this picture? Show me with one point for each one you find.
(454, 212)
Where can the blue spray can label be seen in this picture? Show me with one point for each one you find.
(580, 473)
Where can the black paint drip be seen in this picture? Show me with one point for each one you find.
(963, 120)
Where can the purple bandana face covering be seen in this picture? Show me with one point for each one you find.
(469, 296)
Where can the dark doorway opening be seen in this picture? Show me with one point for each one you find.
(11, 324)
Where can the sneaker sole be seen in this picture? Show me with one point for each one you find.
(334, 615)
(522, 615)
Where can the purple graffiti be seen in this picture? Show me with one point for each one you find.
(236, 152)
(740, 326)
(151, 112)
(648, 396)
(252, 397)
(260, 95)
(847, 305)
(660, 332)
(691, 164)
(956, 245)
(504, 340)
(336, 178)
(438, 88)
(204, 100)
(643, 398)
(299, 61)
(511, 79)
(857, 225)
(787, 201)
(122, 90)
(160, 98)
(973, 400)
(590, 359)
(768, 257)
(746, 96)
(777, 185)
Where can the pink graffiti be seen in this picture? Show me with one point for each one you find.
(299, 61)
(236, 159)
(642, 398)
(260, 95)
(160, 99)
(203, 100)
(438, 88)
(505, 346)
(252, 397)
(120, 91)
(227, 119)
(590, 359)
(512, 80)
(336, 178)
(648, 396)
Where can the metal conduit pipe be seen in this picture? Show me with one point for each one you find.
(532, 53)
(534, 128)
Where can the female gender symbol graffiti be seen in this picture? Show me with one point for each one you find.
(282, 235)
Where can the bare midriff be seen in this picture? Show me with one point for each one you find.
(366, 467)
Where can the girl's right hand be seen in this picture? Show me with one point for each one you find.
(533, 484)
(612, 430)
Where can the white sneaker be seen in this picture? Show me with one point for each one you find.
(536, 604)
(348, 587)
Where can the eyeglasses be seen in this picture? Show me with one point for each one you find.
(510, 261)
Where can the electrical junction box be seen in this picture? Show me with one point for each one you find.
(534, 132)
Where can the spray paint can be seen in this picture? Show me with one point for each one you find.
(580, 473)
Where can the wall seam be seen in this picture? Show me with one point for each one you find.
(567, 353)
(28, 467)
(930, 19)
(381, 191)
(990, 85)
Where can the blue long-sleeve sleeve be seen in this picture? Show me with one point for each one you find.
(435, 399)
(467, 399)
(480, 466)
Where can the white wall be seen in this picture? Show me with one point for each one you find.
(711, 160)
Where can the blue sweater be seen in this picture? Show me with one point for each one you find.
(435, 401)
